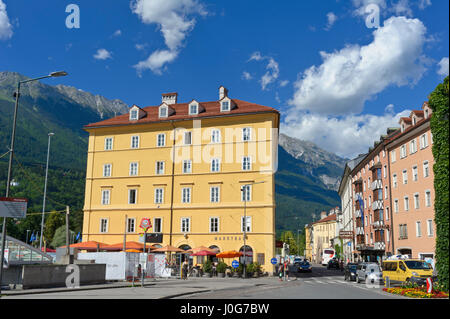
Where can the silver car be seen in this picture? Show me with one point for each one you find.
(369, 272)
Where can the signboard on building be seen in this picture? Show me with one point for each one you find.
(154, 238)
(13, 207)
(346, 234)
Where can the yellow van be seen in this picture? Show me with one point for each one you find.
(408, 270)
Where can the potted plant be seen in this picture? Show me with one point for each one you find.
(207, 268)
(249, 270)
(239, 270)
(221, 267)
(256, 270)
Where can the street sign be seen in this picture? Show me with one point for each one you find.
(273, 261)
(13, 207)
(145, 224)
(235, 264)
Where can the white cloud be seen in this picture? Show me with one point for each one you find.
(443, 67)
(389, 109)
(334, 134)
(156, 61)
(102, 54)
(117, 33)
(424, 3)
(331, 18)
(348, 78)
(362, 4)
(140, 46)
(246, 75)
(5, 25)
(284, 83)
(402, 7)
(172, 18)
(273, 70)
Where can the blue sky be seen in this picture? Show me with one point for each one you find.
(334, 79)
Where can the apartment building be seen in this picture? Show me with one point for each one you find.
(202, 172)
(412, 185)
(324, 234)
(371, 195)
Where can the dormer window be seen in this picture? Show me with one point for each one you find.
(163, 111)
(403, 127)
(225, 106)
(426, 113)
(414, 120)
(134, 115)
(193, 109)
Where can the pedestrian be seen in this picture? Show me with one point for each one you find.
(281, 271)
(185, 269)
(214, 268)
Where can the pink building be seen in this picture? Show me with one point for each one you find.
(412, 186)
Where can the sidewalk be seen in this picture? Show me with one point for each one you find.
(165, 288)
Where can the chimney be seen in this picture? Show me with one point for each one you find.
(169, 98)
(222, 92)
(323, 215)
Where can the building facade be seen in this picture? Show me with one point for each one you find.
(324, 233)
(412, 186)
(202, 172)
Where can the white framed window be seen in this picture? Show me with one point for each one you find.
(109, 143)
(159, 195)
(384, 171)
(364, 186)
(370, 200)
(246, 224)
(214, 224)
(394, 180)
(246, 134)
(106, 196)
(135, 141)
(387, 213)
(430, 227)
(157, 225)
(134, 169)
(132, 196)
(384, 153)
(385, 192)
(406, 203)
(405, 177)
(160, 168)
(418, 229)
(246, 163)
(428, 198)
(403, 151)
(388, 237)
(161, 140)
(393, 156)
(214, 194)
(416, 200)
(225, 106)
(193, 109)
(185, 225)
(134, 114)
(163, 111)
(107, 170)
(186, 195)
(246, 193)
(415, 173)
(423, 141)
(215, 136)
(131, 225)
(187, 138)
(395, 205)
(403, 231)
(426, 169)
(215, 165)
(187, 166)
(412, 146)
(103, 225)
(431, 137)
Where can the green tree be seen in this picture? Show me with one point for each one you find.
(288, 237)
(59, 239)
(438, 102)
(52, 223)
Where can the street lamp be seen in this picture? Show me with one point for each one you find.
(245, 193)
(45, 191)
(11, 156)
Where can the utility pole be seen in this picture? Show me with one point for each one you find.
(45, 191)
(125, 234)
(67, 233)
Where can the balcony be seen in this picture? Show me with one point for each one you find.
(358, 213)
(359, 230)
(378, 204)
(379, 224)
(380, 245)
(377, 184)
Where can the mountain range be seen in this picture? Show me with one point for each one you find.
(306, 180)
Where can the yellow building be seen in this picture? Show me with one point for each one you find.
(308, 242)
(184, 165)
(323, 234)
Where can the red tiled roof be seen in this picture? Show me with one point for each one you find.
(182, 113)
(406, 119)
(418, 112)
(326, 219)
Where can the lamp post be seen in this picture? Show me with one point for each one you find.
(11, 155)
(245, 192)
(45, 190)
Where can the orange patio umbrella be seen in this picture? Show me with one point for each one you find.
(168, 249)
(88, 245)
(201, 248)
(229, 254)
(128, 245)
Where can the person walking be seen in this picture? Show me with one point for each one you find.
(281, 271)
(185, 269)
(286, 267)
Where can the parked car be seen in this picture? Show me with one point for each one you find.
(407, 270)
(304, 266)
(350, 271)
(333, 263)
(297, 261)
(369, 272)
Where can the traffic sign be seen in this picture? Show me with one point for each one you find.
(145, 224)
(273, 261)
(13, 207)
(235, 264)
